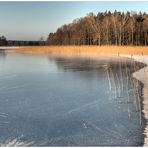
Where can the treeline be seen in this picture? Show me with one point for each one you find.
(117, 28)
(25, 43)
(5, 42)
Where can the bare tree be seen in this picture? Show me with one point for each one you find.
(105, 28)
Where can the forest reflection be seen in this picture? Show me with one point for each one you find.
(118, 73)
(2, 53)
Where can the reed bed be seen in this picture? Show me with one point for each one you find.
(85, 50)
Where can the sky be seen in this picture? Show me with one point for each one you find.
(32, 20)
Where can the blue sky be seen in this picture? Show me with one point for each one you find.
(31, 20)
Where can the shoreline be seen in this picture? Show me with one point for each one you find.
(142, 76)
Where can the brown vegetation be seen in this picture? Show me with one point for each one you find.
(85, 50)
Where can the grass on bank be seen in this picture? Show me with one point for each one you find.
(85, 50)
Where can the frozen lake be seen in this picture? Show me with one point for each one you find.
(61, 101)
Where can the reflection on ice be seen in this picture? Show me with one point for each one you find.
(120, 83)
(2, 53)
(142, 75)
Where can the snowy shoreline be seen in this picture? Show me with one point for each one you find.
(142, 75)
